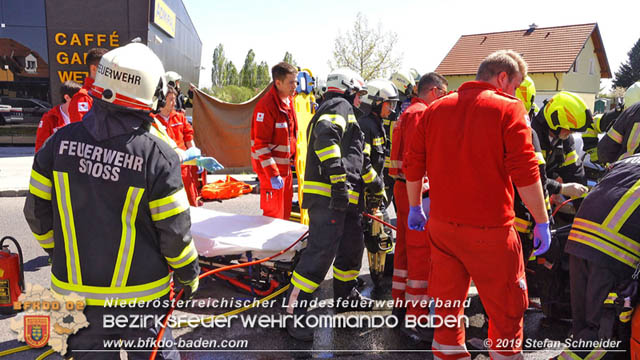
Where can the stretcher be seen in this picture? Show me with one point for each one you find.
(224, 239)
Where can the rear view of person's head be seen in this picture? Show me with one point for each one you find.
(284, 78)
(68, 89)
(93, 59)
(432, 86)
(504, 69)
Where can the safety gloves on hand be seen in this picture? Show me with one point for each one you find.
(541, 238)
(209, 163)
(192, 153)
(573, 190)
(417, 218)
(277, 183)
(339, 197)
(189, 287)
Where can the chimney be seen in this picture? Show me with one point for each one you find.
(532, 27)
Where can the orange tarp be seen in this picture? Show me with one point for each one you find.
(225, 189)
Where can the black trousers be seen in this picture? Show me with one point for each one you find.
(591, 283)
(332, 235)
(96, 336)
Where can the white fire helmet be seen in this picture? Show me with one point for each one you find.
(632, 95)
(131, 76)
(404, 82)
(380, 90)
(345, 81)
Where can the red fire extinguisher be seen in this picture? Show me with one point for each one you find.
(11, 275)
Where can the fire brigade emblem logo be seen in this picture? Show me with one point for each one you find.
(83, 106)
(36, 330)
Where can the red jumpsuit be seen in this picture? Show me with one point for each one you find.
(273, 147)
(411, 259)
(53, 120)
(475, 145)
(179, 129)
(81, 102)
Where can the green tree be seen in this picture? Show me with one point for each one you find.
(248, 71)
(288, 58)
(263, 78)
(629, 72)
(367, 51)
(218, 66)
(231, 74)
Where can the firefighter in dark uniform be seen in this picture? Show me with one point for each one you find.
(604, 248)
(601, 124)
(106, 201)
(563, 114)
(623, 138)
(331, 190)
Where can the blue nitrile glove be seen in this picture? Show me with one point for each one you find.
(417, 218)
(541, 238)
(192, 153)
(277, 183)
(200, 170)
(209, 163)
(426, 206)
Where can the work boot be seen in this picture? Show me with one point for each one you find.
(347, 292)
(418, 335)
(296, 326)
(399, 313)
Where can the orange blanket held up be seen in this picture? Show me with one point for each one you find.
(225, 189)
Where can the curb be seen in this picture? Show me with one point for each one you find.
(14, 193)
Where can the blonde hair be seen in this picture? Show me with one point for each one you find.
(507, 61)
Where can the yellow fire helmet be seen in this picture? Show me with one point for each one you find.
(632, 95)
(568, 111)
(526, 92)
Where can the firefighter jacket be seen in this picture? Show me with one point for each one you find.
(447, 143)
(177, 127)
(273, 136)
(560, 156)
(81, 101)
(106, 200)
(523, 221)
(623, 138)
(374, 152)
(600, 125)
(606, 229)
(388, 125)
(335, 152)
(405, 126)
(53, 120)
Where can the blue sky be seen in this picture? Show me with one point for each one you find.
(426, 29)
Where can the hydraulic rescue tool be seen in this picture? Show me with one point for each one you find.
(377, 239)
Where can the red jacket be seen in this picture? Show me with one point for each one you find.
(475, 144)
(178, 128)
(81, 102)
(51, 121)
(405, 126)
(273, 135)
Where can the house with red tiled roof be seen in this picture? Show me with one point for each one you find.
(570, 58)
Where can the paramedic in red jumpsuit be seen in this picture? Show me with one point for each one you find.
(475, 145)
(273, 142)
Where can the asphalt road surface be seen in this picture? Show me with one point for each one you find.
(269, 343)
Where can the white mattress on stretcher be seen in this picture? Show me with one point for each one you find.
(218, 233)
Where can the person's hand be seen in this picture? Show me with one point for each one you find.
(339, 197)
(573, 190)
(417, 218)
(541, 238)
(209, 163)
(189, 287)
(426, 206)
(192, 153)
(277, 183)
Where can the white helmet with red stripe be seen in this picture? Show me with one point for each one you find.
(131, 76)
(345, 81)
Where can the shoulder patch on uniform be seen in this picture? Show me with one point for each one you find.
(40, 124)
(83, 106)
(260, 117)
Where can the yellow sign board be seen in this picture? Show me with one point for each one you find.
(164, 17)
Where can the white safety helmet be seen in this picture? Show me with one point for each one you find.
(404, 82)
(345, 81)
(131, 76)
(320, 88)
(632, 95)
(172, 76)
(415, 74)
(379, 91)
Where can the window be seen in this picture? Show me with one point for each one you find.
(592, 67)
(575, 66)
